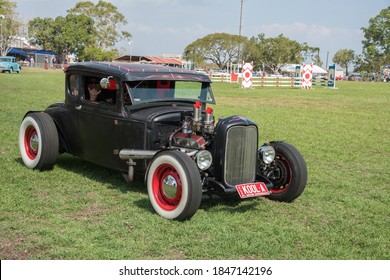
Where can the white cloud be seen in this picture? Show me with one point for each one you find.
(321, 36)
(141, 28)
(146, 2)
(167, 39)
(160, 26)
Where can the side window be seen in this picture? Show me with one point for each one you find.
(126, 95)
(95, 94)
(73, 85)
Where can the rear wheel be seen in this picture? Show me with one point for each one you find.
(38, 141)
(174, 185)
(288, 174)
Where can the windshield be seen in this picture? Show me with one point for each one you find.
(6, 59)
(168, 90)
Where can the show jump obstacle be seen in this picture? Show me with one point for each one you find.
(247, 75)
(302, 78)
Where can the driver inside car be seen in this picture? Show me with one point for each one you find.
(94, 89)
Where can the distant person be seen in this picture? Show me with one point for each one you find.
(27, 61)
(53, 61)
(46, 61)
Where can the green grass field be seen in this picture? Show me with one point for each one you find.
(82, 211)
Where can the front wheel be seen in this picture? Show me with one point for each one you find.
(288, 173)
(38, 141)
(174, 185)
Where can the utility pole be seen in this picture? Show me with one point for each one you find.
(131, 51)
(239, 34)
(327, 57)
(240, 29)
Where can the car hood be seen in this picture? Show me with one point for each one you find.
(149, 113)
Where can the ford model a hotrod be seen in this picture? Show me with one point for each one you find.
(154, 120)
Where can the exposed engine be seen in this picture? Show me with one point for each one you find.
(194, 131)
(225, 153)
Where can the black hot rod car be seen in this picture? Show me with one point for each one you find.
(154, 120)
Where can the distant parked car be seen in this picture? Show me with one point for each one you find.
(355, 77)
(9, 64)
(201, 71)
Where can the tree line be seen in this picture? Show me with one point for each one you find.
(91, 31)
(223, 49)
(274, 53)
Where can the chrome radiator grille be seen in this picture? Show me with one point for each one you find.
(240, 155)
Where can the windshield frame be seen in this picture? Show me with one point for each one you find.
(154, 88)
(5, 59)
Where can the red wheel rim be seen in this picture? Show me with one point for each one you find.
(167, 187)
(31, 142)
(284, 177)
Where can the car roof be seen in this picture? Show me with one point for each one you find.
(137, 72)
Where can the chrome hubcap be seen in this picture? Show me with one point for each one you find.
(170, 186)
(34, 142)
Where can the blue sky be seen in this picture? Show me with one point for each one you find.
(168, 26)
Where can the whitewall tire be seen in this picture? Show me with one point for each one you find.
(38, 141)
(174, 185)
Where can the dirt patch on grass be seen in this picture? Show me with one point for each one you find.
(12, 249)
(176, 254)
(92, 213)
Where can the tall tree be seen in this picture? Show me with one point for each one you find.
(63, 34)
(88, 30)
(96, 54)
(311, 53)
(274, 53)
(77, 32)
(108, 22)
(376, 43)
(10, 25)
(41, 32)
(344, 58)
(219, 48)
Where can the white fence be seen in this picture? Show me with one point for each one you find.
(291, 82)
(276, 82)
(221, 77)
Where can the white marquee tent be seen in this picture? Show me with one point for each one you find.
(290, 68)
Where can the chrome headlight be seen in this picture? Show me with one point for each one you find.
(267, 153)
(204, 159)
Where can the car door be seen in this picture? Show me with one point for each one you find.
(98, 125)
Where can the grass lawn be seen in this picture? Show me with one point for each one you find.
(82, 211)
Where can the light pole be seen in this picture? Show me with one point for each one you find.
(1, 34)
(239, 34)
(131, 50)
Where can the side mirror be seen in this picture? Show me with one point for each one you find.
(105, 82)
